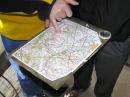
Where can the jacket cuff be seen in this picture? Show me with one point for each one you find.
(44, 10)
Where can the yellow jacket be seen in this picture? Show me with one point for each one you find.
(20, 25)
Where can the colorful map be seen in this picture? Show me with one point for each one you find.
(56, 54)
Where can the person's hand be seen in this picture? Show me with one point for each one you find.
(47, 23)
(60, 10)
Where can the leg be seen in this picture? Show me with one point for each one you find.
(108, 64)
(82, 77)
(28, 85)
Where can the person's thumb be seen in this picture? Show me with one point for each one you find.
(68, 11)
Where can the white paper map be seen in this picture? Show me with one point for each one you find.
(56, 54)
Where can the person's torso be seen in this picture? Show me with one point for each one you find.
(112, 15)
(23, 19)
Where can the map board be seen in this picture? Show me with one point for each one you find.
(54, 55)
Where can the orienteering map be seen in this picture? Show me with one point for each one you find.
(56, 54)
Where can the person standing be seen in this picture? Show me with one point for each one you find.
(20, 21)
(112, 15)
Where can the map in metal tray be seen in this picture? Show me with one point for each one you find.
(57, 54)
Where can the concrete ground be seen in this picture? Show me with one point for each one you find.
(6, 88)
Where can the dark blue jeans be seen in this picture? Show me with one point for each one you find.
(29, 87)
